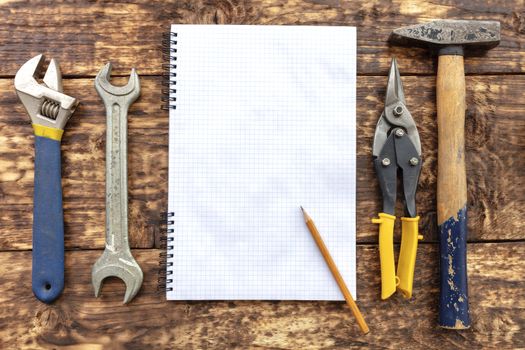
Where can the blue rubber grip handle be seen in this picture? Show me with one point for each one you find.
(453, 308)
(48, 222)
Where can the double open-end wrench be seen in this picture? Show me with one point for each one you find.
(116, 260)
(49, 109)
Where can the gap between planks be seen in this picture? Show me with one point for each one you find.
(362, 244)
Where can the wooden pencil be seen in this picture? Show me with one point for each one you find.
(335, 272)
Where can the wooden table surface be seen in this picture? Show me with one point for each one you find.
(83, 36)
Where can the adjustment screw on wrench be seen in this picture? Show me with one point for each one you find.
(116, 260)
(49, 109)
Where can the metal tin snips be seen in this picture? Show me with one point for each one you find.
(397, 150)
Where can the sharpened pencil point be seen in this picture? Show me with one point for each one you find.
(305, 215)
(335, 272)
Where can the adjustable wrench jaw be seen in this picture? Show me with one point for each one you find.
(45, 103)
(49, 109)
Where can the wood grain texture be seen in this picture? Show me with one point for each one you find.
(83, 167)
(450, 101)
(85, 35)
(495, 139)
(80, 321)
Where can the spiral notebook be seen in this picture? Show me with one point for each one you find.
(262, 121)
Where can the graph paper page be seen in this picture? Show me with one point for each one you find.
(264, 122)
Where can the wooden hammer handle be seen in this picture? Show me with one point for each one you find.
(452, 192)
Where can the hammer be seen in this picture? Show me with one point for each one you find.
(450, 38)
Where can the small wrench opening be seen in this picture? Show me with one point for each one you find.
(117, 260)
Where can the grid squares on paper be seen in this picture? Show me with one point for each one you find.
(264, 122)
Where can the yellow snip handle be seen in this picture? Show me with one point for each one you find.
(386, 253)
(407, 255)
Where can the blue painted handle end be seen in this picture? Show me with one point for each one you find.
(48, 222)
(453, 304)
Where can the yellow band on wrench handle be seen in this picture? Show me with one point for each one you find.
(48, 132)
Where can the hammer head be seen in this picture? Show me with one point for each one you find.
(444, 33)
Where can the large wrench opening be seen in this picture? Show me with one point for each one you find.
(117, 260)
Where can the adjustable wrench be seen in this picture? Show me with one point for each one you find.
(116, 260)
(49, 109)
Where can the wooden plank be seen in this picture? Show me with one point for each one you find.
(495, 127)
(495, 143)
(83, 36)
(78, 320)
(83, 174)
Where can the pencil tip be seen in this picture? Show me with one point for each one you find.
(302, 208)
